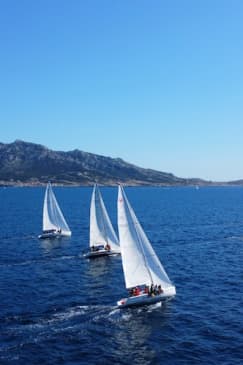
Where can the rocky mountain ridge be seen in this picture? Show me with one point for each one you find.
(24, 163)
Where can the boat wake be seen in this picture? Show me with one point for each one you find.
(17, 238)
(155, 306)
(39, 261)
(78, 317)
(239, 238)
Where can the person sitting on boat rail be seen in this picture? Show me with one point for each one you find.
(155, 290)
(134, 291)
(107, 247)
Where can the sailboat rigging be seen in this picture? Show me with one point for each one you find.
(54, 223)
(103, 240)
(145, 277)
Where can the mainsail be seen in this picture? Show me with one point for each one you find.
(53, 218)
(140, 263)
(101, 230)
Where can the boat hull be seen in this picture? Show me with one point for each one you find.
(49, 236)
(143, 299)
(53, 235)
(100, 253)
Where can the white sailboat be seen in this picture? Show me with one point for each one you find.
(145, 277)
(54, 223)
(103, 240)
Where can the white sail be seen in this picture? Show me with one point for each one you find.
(53, 218)
(101, 230)
(141, 266)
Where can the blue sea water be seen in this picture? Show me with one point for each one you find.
(58, 308)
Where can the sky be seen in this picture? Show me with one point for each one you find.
(157, 83)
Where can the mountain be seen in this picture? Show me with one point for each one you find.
(23, 163)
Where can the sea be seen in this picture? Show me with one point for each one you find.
(57, 307)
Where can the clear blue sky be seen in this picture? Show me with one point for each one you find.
(157, 83)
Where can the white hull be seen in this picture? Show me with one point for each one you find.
(52, 235)
(49, 236)
(100, 253)
(143, 299)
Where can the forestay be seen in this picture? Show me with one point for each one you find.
(101, 230)
(140, 263)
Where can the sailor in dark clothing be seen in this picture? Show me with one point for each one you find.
(151, 291)
(155, 289)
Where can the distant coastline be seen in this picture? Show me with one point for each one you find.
(28, 164)
(42, 184)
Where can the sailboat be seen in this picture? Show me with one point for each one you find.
(145, 277)
(54, 223)
(103, 240)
